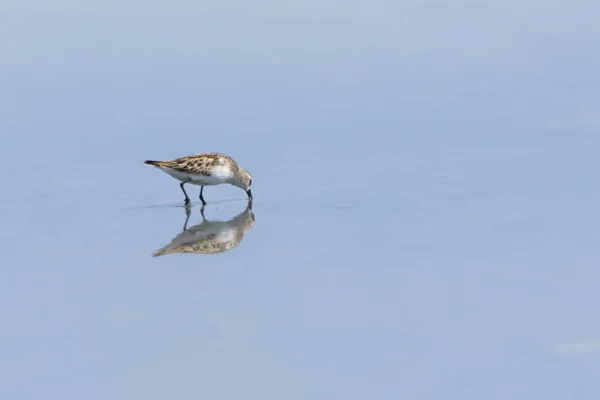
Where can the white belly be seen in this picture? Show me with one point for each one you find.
(218, 177)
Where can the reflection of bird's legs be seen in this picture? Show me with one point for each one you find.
(187, 199)
(202, 213)
(249, 206)
(188, 212)
(201, 197)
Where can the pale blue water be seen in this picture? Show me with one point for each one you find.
(426, 200)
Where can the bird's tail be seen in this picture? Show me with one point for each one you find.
(160, 164)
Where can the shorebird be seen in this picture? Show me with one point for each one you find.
(206, 169)
(210, 237)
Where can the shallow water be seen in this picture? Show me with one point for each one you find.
(425, 220)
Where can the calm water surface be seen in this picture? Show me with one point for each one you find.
(425, 222)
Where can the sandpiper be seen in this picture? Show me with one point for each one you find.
(206, 169)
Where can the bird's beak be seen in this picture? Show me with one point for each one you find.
(249, 193)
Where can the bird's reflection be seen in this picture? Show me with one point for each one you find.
(210, 237)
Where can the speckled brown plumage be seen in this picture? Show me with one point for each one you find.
(199, 164)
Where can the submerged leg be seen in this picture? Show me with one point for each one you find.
(201, 197)
(187, 199)
(202, 213)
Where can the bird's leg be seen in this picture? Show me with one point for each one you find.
(249, 193)
(202, 213)
(187, 199)
(201, 197)
(188, 211)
